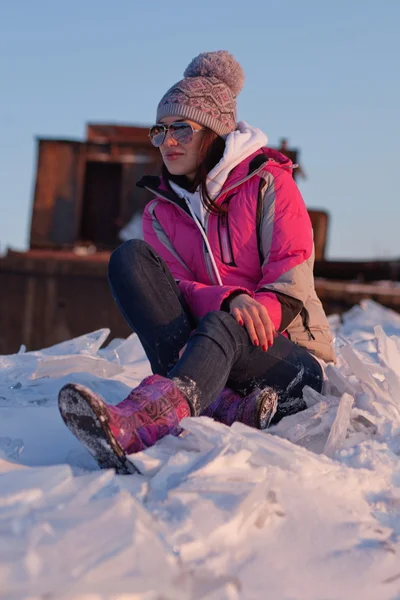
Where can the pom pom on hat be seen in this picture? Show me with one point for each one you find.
(221, 65)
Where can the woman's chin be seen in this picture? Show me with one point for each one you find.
(175, 170)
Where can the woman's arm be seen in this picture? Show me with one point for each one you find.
(287, 248)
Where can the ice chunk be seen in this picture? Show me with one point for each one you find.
(339, 381)
(89, 343)
(380, 393)
(340, 426)
(63, 365)
(11, 448)
(361, 320)
(388, 350)
(335, 323)
(310, 427)
(360, 369)
(16, 367)
(124, 352)
(311, 397)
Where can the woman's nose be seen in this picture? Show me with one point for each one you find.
(169, 141)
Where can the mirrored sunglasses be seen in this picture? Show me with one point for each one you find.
(180, 131)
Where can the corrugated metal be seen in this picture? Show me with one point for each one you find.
(58, 193)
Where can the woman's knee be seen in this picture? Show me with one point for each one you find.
(218, 319)
(128, 255)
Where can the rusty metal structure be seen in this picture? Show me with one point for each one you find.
(85, 192)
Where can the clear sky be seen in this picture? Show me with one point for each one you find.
(325, 74)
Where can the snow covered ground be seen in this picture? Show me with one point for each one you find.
(310, 510)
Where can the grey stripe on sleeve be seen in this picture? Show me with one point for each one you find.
(267, 217)
(295, 282)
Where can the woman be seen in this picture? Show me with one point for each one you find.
(221, 292)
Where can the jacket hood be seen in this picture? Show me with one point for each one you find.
(254, 163)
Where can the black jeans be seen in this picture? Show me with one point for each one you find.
(219, 351)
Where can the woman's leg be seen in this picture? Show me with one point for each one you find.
(150, 301)
(220, 353)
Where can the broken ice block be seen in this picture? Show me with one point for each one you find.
(388, 350)
(124, 351)
(11, 448)
(89, 343)
(16, 368)
(310, 427)
(363, 318)
(338, 431)
(63, 365)
(339, 381)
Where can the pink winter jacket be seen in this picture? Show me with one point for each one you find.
(263, 245)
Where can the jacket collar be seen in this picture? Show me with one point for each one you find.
(244, 171)
(161, 188)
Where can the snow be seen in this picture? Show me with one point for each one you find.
(309, 510)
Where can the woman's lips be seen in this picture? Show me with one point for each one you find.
(173, 156)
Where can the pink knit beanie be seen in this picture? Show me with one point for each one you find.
(207, 94)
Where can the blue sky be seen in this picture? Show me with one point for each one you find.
(324, 74)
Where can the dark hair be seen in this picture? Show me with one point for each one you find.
(210, 153)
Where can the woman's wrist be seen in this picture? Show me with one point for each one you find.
(225, 306)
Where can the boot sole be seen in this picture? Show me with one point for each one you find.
(267, 407)
(85, 415)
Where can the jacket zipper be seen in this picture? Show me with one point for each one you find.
(305, 318)
(212, 272)
(224, 236)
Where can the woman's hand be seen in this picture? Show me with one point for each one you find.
(254, 316)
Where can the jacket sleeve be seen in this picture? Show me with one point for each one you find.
(287, 250)
(201, 298)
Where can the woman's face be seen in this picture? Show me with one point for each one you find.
(181, 159)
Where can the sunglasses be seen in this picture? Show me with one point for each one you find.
(180, 131)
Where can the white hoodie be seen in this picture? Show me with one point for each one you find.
(239, 144)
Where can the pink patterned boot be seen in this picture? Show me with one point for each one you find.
(151, 411)
(256, 410)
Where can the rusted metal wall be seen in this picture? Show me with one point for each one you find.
(320, 221)
(340, 296)
(49, 298)
(99, 132)
(58, 192)
(65, 189)
(359, 270)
